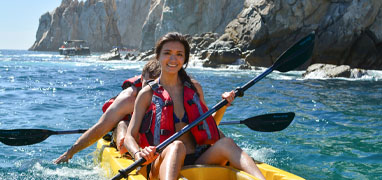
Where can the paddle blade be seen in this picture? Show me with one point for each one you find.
(22, 137)
(296, 55)
(269, 122)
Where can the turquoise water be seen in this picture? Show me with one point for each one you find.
(336, 133)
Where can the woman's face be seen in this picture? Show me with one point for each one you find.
(171, 57)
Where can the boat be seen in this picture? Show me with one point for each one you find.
(74, 47)
(112, 161)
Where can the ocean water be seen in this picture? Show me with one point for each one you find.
(336, 133)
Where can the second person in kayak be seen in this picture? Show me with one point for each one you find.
(169, 104)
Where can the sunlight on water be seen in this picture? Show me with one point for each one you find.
(125, 66)
(236, 135)
(42, 55)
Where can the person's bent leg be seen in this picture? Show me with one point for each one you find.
(225, 150)
(119, 136)
(169, 163)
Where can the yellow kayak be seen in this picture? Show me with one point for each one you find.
(111, 160)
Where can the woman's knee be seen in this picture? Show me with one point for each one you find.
(226, 141)
(121, 129)
(178, 146)
(175, 152)
(123, 124)
(175, 148)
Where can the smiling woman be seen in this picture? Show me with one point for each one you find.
(168, 105)
(19, 21)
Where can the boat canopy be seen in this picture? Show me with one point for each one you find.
(74, 41)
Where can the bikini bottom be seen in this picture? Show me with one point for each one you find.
(189, 159)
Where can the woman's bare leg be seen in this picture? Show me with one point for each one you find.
(168, 164)
(225, 150)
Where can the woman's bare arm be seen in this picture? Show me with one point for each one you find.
(122, 106)
(142, 103)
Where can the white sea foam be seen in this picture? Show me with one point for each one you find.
(236, 135)
(228, 70)
(6, 59)
(42, 55)
(261, 154)
(82, 64)
(121, 65)
(67, 172)
(196, 65)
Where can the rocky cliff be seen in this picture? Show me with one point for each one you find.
(348, 31)
(130, 23)
(103, 24)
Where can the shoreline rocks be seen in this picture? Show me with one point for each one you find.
(333, 71)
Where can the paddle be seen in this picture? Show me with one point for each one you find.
(266, 122)
(21, 137)
(295, 56)
(263, 123)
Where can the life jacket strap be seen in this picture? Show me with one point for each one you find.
(154, 85)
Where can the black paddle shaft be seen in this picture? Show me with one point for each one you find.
(295, 56)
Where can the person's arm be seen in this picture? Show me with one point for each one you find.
(122, 106)
(132, 135)
(218, 115)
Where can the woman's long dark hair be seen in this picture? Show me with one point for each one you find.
(175, 36)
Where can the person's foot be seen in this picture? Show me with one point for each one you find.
(121, 148)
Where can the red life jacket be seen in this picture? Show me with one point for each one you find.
(158, 122)
(134, 81)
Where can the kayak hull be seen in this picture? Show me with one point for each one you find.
(111, 161)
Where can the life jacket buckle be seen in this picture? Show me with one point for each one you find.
(190, 102)
(164, 132)
(168, 103)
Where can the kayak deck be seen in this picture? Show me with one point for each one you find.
(111, 161)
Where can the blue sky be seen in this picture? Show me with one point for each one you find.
(19, 21)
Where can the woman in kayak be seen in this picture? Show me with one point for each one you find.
(170, 103)
(122, 106)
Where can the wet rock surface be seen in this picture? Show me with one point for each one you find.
(332, 71)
